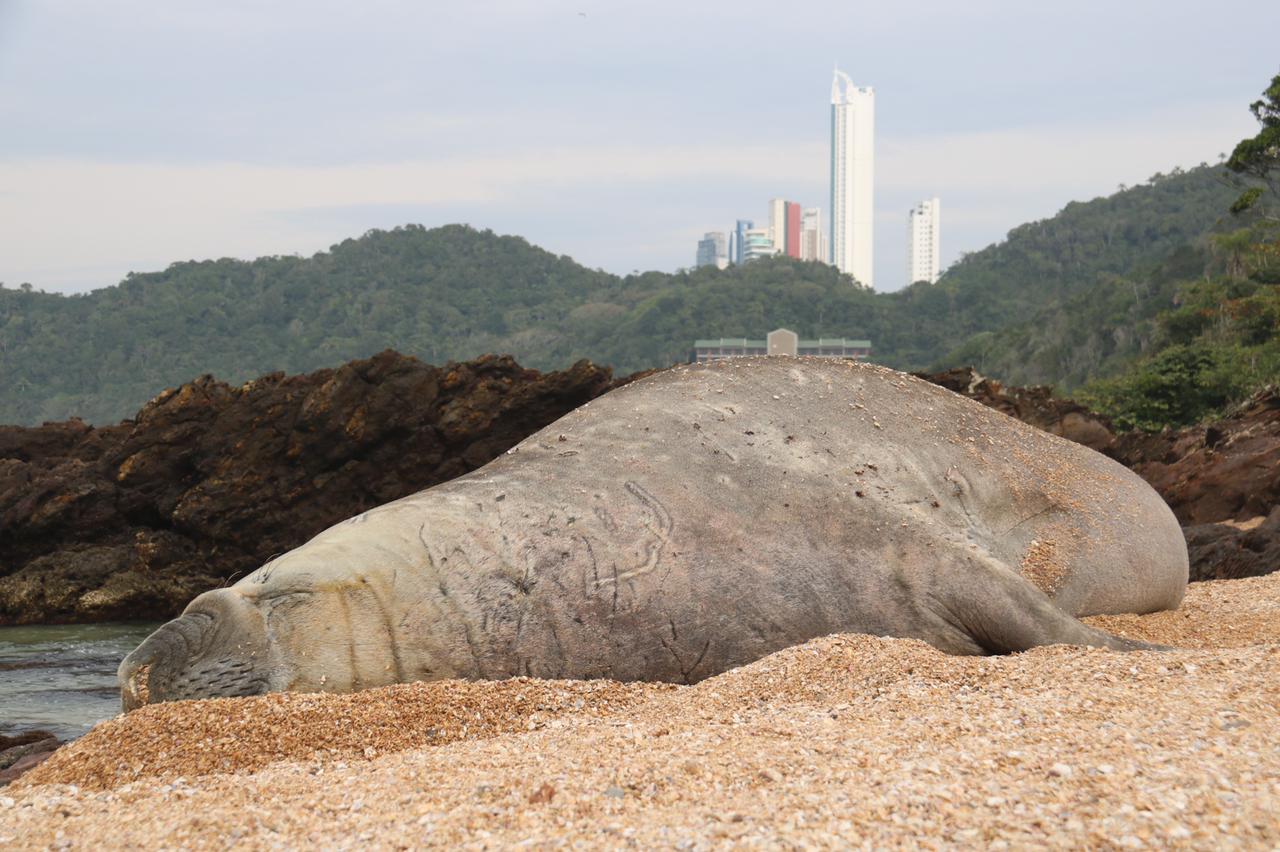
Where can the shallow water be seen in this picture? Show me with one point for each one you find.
(62, 678)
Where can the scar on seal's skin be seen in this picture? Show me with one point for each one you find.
(658, 526)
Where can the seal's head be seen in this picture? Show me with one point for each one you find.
(286, 627)
(218, 647)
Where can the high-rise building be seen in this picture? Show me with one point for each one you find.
(793, 229)
(740, 228)
(923, 232)
(713, 250)
(757, 242)
(813, 240)
(778, 224)
(852, 176)
(784, 226)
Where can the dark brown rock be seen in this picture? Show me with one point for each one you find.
(23, 738)
(1231, 549)
(24, 764)
(210, 480)
(23, 752)
(1228, 470)
(14, 753)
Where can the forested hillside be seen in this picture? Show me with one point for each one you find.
(1221, 341)
(456, 292)
(1072, 297)
(1092, 332)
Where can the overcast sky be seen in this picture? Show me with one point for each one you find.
(134, 134)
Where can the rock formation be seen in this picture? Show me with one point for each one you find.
(23, 752)
(208, 481)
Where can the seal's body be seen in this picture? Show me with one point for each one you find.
(693, 521)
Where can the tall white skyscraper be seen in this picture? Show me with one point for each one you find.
(923, 233)
(778, 223)
(853, 119)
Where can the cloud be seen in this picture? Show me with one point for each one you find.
(992, 181)
(1065, 156)
(148, 214)
(96, 215)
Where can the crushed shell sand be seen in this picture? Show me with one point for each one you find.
(1043, 567)
(847, 740)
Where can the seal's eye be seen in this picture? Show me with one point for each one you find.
(284, 598)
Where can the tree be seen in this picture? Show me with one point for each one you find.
(1258, 157)
(1067, 283)
(1234, 248)
(1175, 388)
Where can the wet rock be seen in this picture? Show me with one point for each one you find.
(25, 738)
(23, 765)
(23, 752)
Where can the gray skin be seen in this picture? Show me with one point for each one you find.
(694, 521)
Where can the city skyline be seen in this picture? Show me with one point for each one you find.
(285, 128)
(793, 231)
(796, 232)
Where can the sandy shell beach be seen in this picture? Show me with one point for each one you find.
(846, 741)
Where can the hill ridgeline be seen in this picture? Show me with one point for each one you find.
(454, 293)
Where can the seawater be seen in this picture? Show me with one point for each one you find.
(62, 678)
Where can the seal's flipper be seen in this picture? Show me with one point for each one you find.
(1002, 613)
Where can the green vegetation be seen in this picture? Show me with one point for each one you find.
(1159, 274)
(455, 293)
(1257, 158)
(1222, 340)
(1216, 347)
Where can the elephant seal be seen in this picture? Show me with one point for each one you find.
(693, 521)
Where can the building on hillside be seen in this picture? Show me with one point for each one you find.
(923, 233)
(813, 240)
(784, 226)
(713, 250)
(852, 177)
(737, 251)
(757, 243)
(780, 341)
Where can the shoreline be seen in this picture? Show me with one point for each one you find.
(843, 739)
